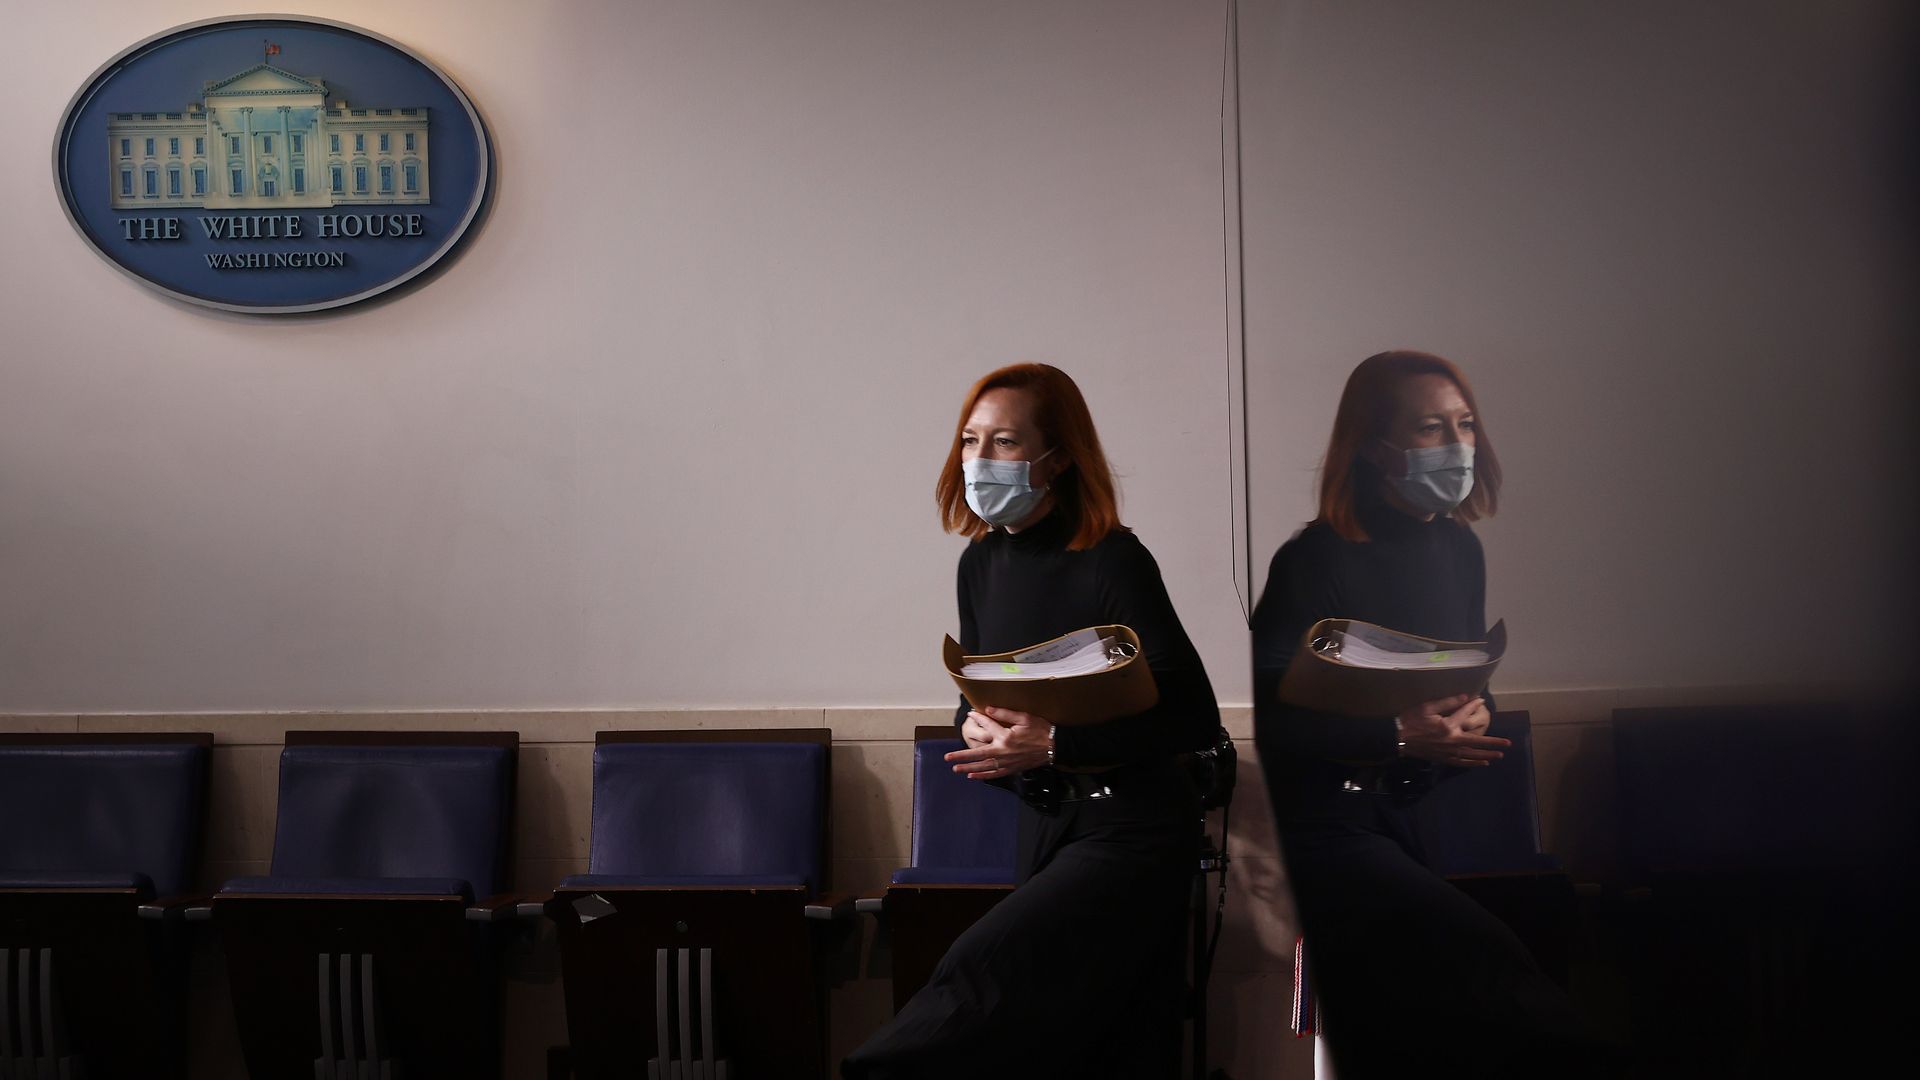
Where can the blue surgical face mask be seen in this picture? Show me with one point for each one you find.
(1438, 479)
(1000, 492)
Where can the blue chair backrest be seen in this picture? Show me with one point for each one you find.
(1487, 820)
(109, 809)
(394, 811)
(959, 823)
(1756, 789)
(704, 810)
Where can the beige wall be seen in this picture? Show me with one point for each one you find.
(687, 389)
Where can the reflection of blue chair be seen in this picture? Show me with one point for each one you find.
(708, 854)
(355, 953)
(964, 837)
(1481, 830)
(1768, 848)
(1487, 821)
(97, 832)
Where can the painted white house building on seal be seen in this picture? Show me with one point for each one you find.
(267, 139)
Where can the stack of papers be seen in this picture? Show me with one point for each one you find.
(1087, 677)
(1375, 647)
(1351, 668)
(1080, 653)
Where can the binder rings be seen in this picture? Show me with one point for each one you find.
(1122, 688)
(1386, 672)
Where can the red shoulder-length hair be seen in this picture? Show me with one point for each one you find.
(1366, 408)
(1085, 490)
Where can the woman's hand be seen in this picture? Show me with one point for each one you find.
(975, 729)
(1451, 731)
(1001, 742)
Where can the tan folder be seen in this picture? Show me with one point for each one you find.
(1316, 680)
(1122, 689)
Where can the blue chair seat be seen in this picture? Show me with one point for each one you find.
(349, 886)
(686, 881)
(954, 875)
(75, 879)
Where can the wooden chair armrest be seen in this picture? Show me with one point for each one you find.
(493, 908)
(531, 905)
(830, 907)
(173, 907)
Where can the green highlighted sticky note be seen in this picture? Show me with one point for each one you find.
(1011, 669)
(1438, 658)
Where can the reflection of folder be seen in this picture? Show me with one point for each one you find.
(1320, 680)
(1123, 688)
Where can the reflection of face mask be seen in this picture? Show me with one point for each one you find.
(1439, 478)
(998, 490)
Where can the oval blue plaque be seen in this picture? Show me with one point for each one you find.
(272, 163)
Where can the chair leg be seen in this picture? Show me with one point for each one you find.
(660, 1067)
(350, 1011)
(53, 1035)
(686, 1017)
(681, 1007)
(33, 1036)
(1200, 975)
(377, 1067)
(7, 1054)
(714, 1069)
(323, 1065)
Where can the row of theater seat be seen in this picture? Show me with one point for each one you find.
(695, 941)
(371, 940)
(698, 941)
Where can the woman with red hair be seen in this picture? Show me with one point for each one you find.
(1078, 972)
(1414, 977)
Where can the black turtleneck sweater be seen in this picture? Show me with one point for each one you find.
(1020, 589)
(1422, 577)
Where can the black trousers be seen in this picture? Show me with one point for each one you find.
(1415, 977)
(1077, 974)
